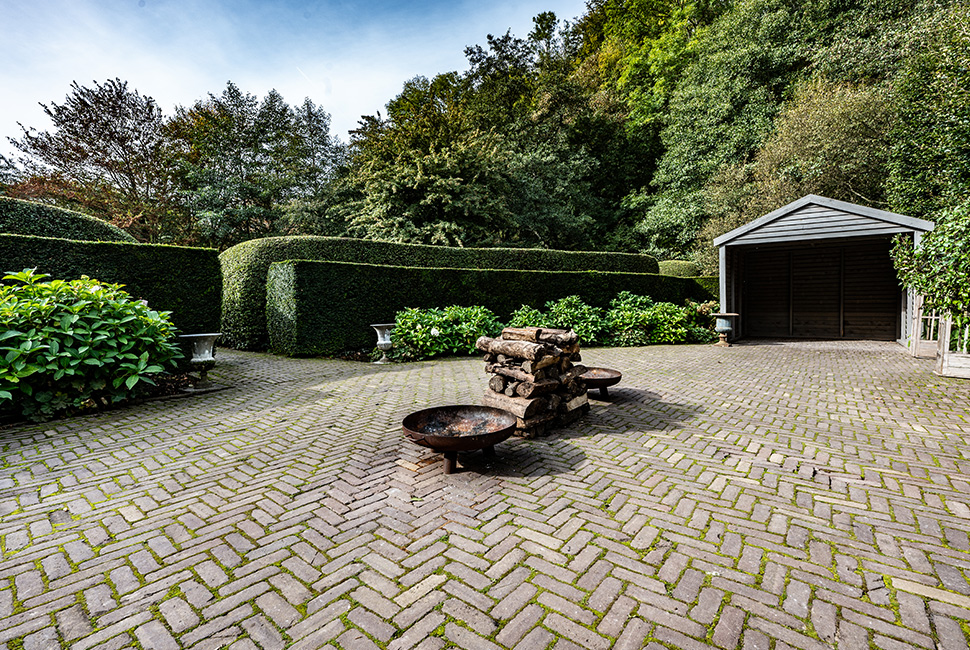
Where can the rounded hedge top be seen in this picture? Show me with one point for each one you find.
(245, 266)
(680, 268)
(36, 219)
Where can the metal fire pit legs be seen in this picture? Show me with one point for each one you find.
(450, 429)
(601, 378)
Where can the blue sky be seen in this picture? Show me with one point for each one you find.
(349, 56)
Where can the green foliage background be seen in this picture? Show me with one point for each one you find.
(640, 126)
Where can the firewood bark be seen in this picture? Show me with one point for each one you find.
(544, 362)
(518, 406)
(517, 349)
(497, 383)
(559, 338)
(510, 388)
(512, 373)
(522, 334)
(533, 389)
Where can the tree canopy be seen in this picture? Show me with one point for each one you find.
(641, 125)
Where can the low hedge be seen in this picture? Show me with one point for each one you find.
(36, 219)
(679, 268)
(324, 308)
(185, 281)
(244, 269)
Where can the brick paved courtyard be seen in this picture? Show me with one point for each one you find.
(770, 496)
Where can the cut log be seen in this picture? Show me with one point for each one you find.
(536, 388)
(559, 338)
(521, 334)
(510, 372)
(575, 403)
(497, 383)
(510, 389)
(531, 422)
(572, 374)
(517, 349)
(518, 406)
(544, 362)
(554, 402)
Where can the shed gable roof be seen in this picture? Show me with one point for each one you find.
(819, 217)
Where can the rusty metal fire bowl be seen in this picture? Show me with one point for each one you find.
(601, 378)
(450, 429)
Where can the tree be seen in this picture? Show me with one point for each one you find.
(107, 155)
(832, 139)
(242, 160)
(930, 162)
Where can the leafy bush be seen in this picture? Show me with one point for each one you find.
(572, 313)
(428, 333)
(637, 320)
(527, 316)
(39, 220)
(939, 269)
(71, 345)
(700, 321)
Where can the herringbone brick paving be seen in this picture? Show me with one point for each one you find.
(776, 495)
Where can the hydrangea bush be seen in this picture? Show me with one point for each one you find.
(71, 345)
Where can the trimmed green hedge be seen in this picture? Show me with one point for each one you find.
(679, 268)
(36, 219)
(324, 308)
(185, 281)
(244, 269)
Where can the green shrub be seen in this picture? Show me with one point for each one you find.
(36, 219)
(427, 333)
(700, 321)
(325, 308)
(679, 268)
(528, 316)
(184, 281)
(246, 265)
(71, 345)
(571, 313)
(637, 320)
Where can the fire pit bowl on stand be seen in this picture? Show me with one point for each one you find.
(601, 378)
(450, 429)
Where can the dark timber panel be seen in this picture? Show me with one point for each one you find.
(765, 294)
(844, 290)
(872, 292)
(816, 278)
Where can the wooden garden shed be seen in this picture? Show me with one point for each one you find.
(817, 268)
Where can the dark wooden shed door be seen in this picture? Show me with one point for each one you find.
(846, 290)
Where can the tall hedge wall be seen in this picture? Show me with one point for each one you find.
(28, 218)
(244, 269)
(325, 308)
(185, 281)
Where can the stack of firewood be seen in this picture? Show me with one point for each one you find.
(536, 376)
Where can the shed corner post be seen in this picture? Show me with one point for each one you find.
(723, 284)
